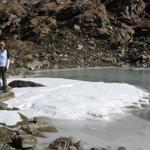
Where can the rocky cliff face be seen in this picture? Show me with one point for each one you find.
(75, 33)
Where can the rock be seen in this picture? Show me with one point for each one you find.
(3, 106)
(25, 141)
(80, 145)
(6, 135)
(122, 35)
(122, 148)
(62, 143)
(31, 129)
(72, 148)
(4, 146)
(44, 124)
(101, 148)
(80, 46)
(21, 83)
(76, 27)
(6, 96)
(36, 126)
(24, 119)
(35, 64)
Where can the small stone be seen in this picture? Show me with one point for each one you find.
(34, 65)
(30, 57)
(76, 27)
(80, 46)
(91, 42)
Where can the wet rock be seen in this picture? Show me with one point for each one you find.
(21, 83)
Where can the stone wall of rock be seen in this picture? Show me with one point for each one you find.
(52, 34)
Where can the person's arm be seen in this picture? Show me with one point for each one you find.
(8, 60)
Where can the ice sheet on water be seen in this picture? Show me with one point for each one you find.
(72, 99)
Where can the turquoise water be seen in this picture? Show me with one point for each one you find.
(139, 78)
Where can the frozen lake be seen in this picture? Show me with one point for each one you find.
(132, 131)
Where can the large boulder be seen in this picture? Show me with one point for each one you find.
(21, 83)
(24, 141)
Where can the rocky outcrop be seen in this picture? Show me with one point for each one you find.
(73, 33)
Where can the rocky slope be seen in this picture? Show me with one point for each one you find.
(52, 34)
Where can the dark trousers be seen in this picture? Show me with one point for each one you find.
(3, 75)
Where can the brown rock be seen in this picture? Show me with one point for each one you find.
(6, 96)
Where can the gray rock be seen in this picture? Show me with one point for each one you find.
(100, 148)
(76, 27)
(62, 143)
(34, 65)
(80, 145)
(25, 141)
(4, 146)
(36, 128)
(21, 83)
(122, 148)
(5, 1)
(3, 106)
(6, 96)
(72, 148)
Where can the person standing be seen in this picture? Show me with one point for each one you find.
(4, 65)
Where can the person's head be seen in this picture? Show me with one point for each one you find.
(2, 45)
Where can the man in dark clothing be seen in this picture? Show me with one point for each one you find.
(4, 64)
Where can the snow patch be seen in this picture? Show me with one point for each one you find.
(9, 118)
